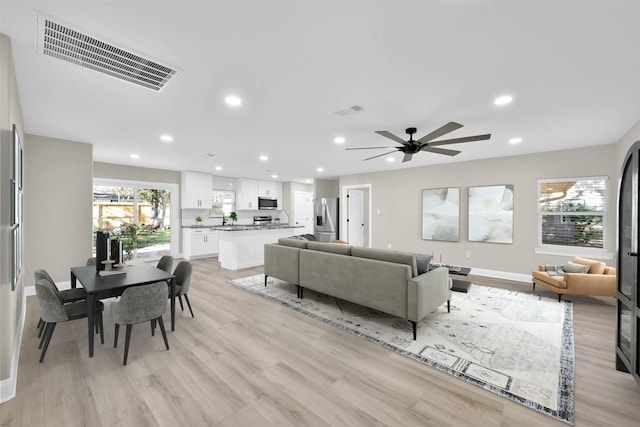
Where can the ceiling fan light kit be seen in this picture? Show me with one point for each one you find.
(426, 143)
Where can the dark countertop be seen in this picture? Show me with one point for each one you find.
(241, 227)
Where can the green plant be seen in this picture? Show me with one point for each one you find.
(233, 216)
(198, 219)
(128, 234)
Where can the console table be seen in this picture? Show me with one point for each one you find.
(459, 285)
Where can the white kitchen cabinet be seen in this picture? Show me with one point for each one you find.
(270, 189)
(199, 242)
(224, 183)
(245, 248)
(196, 190)
(247, 194)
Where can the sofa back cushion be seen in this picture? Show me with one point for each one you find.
(296, 243)
(389, 256)
(595, 267)
(334, 248)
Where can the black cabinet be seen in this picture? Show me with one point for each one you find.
(628, 300)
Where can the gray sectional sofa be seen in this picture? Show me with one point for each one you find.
(385, 280)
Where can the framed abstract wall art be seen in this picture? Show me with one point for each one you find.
(441, 214)
(491, 214)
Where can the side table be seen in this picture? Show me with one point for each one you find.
(459, 285)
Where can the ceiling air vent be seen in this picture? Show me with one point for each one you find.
(350, 110)
(71, 45)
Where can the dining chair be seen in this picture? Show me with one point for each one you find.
(182, 275)
(165, 263)
(91, 261)
(140, 304)
(66, 296)
(53, 311)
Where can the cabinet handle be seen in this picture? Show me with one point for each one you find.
(632, 253)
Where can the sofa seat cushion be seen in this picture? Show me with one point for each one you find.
(397, 257)
(555, 281)
(334, 248)
(595, 267)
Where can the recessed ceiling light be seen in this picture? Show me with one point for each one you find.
(320, 169)
(515, 140)
(233, 100)
(309, 181)
(274, 176)
(390, 159)
(134, 156)
(218, 168)
(166, 138)
(264, 158)
(208, 156)
(503, 100)
(338, 140)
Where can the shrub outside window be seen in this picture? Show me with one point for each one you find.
(572, 213)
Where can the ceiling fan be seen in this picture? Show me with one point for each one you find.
(426, 143)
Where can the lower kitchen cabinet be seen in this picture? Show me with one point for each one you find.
(199, 242)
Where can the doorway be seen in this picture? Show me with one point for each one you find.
(118, 205)
(356, 214)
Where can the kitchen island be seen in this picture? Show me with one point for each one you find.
(242, 246)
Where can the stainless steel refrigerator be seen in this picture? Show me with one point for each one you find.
(327, 219)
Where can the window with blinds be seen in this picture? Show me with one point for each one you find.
(572, 212)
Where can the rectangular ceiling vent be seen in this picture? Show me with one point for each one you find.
(68, 44)
(351, 110)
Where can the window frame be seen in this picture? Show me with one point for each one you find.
(566, 250)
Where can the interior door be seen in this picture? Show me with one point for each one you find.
(355, 217)
(303, 211)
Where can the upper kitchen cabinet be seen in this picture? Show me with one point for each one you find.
(247, 194)
(196, 190)
(270, 189)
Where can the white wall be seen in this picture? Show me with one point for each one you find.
(12, 303)
(397, 197)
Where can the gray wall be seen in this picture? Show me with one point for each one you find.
(326, 188)
(112, 171)
(397, 196)
(12, 303)
(58, 209)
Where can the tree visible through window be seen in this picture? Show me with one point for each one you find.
(572, 212)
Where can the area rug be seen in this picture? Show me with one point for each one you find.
(517, 345)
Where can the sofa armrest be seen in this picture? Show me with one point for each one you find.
(589, 280)
(427, 292)
(282, 262)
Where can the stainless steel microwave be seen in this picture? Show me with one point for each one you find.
(268, 203)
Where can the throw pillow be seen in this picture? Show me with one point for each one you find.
(424, 262)
(572, 267)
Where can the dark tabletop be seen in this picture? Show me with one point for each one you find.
(137, 274)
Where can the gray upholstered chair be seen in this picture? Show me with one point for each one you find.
(183, 282)
(91, 261)
(165, 263)
(53, 311)
(140, 304)
(66, 296)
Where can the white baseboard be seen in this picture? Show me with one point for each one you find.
(495, 274)
(8, 386)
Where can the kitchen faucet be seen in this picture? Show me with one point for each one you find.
(224, 220)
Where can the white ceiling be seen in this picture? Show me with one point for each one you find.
(572, 67)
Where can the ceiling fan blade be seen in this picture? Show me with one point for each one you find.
(440, 151)
(367, 148)
(380, 155)
(459, 140)
(391, 136)
(449, 127)
(407, 157)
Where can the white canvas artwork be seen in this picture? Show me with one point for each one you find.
(441, 214)
(491, 214)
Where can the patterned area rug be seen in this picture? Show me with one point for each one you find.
(519, 346)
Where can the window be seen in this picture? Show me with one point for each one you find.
(223, 202)
(572, 214)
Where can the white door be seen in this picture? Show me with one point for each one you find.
(303, 212)
(355, 217)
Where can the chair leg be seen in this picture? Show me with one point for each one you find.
(101, 327)
(164, 333)
(180, 299)
(153, 327)
(41, 324)
(126, 344)
(115, 336)
(186, 297)
(48, 333)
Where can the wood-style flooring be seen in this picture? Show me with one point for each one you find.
(245, 361)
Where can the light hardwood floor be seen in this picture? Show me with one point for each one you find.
(245, 361)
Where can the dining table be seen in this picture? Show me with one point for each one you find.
(112, 284)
